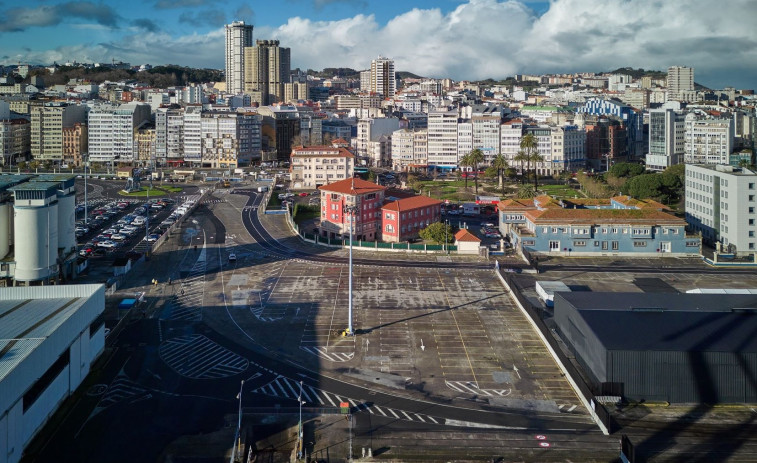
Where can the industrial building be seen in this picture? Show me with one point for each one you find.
(37, 229)
(49, 338)
(679, 348)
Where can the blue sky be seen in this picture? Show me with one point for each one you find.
(461, 39)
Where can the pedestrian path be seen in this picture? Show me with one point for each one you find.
(187, 302)
(195, 356)
(286, 388)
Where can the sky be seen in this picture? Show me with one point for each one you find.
(459, 39)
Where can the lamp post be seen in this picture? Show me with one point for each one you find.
(299, 428)
(239, 425)
(86, 165)
(446, 239)
(351, 210)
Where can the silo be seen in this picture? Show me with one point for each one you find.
(35, 211)
(66, 219)
(5, 226)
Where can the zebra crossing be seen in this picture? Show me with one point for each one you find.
(122, 388)
(468, 387)
(187, 303)
(323, 352)
(285, 388)
(196, 356)
(213, 201)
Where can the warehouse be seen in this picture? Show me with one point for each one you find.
(679, 348)
(49, 338)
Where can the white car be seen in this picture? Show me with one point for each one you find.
(232, 258)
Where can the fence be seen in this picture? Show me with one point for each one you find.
(372, 245)
(585, 392)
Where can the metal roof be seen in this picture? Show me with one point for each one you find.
(26, 323)
(35, 186)
(668, 322)
(8, 181)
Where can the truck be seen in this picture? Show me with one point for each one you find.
(471, 209)
(262, 189)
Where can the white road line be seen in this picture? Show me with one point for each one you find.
(572, 408)
(432, 419)
(392, 412)
(273, 391)
(315, 394)
(305, 393)
(379, 410)
(406, 415)
(294, 393)
(419, 417)
(328, 398)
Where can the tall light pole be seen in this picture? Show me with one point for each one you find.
(239, 425)
(299, 428)
(351, 210)
(86, 164)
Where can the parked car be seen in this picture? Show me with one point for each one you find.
(152, 238)
(232, 258)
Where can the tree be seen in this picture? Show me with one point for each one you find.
(476, 158)
(500, 163)
(465, 162)
(521, 158)
(626, 169)
(437, 232)
(526, 191)
(529, 151)
(371, 176)
(536, 158)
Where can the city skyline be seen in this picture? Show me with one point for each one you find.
(479, 38)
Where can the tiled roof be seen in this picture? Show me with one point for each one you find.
(411, 203)
(324, 151)
(515, 204)
(546, 201)
(639, 203)
(603, 216)
(465, 235)
(352, 186)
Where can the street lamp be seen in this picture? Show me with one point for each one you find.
(299, 429)
(351, 210)
(446, 240)
(239, 425)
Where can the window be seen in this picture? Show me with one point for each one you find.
(692, 244)
(640, 244)
(579, 243)
(596, 243)
(389, 228)
(604, 245)
(615, 230)
(528, 242)
(614, 245)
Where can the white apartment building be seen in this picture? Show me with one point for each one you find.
(666, 139)
(486, 137)
(680, 83)
(15, 140)
(380, 151)
(708, 140)
(721, 203)
(314, 166)
(238, 36)
(409, 149)
(568, 150)
(383, 78)
(192, 134)
(464, 139)
(442, 139)
(112, 131)
(510, 134)
(47, 126)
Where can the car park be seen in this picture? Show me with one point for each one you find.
(118, 237)
(303, 194)
(107, 244)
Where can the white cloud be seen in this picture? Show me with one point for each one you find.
(492, 38)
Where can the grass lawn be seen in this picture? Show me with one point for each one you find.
(171, 189)
(560, 191)
(304, 212)
(154, 192)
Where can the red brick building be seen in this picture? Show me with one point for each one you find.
(367, 197)
(401, 220)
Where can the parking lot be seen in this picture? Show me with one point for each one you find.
(446, 332)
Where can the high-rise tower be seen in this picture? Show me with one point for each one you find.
(680, 79)
(382, 77)
(267, 68)
(238, 36)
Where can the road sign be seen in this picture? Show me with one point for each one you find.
(544, 444)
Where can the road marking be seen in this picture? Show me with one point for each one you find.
(378, 409)
(419, 417)
(406, 415)
(196, 356)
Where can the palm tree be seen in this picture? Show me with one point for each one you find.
(521, 158)
(529, 147)
(476, 157)
(465, 162)
(536, 158)
(500, 163)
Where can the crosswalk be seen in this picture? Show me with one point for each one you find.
(187, 303)
(283, 387)
(122, 388)
(213, 201)
(468, 387)
(323, 352)
(196, 356)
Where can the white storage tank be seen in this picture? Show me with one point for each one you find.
(5, 229)
(6, 210)
(66, 209)
(35, 211)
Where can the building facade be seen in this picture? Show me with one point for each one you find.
(75, 143)
(238, 37)
(721, 204)
(402, 220)
(337, 201)
(229, 140)
(680, 82)
(48, 122)
(619, 226)
(112, 130)
(442, 139)
(631, 119)
(409, 149)
(383, 79)
(15, 141)
(267, 68)
(666, 139)
(315, 166)
(708, 140)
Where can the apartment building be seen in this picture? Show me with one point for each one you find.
(721, 203)
(15, 140)
(267, 68)
(112, 130)
(351, 201)
(680, 83)
(315, 166)
(631, 119)
(238, 37)
(47, 126)
(228, 139)
(383, 79)
(402, 220)
(708, 140)
(442, 139)
(605, 142)
(371, 129)
(75, 143)
(409, 149)
(666, 139)
(146, 142)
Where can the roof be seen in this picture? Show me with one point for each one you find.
(602, 216)
(352, 186)
(412, 202)
(669, 322)
(515, 204)
(464, 235)
(322, 150)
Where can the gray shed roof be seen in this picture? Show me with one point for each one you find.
(669, 322)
